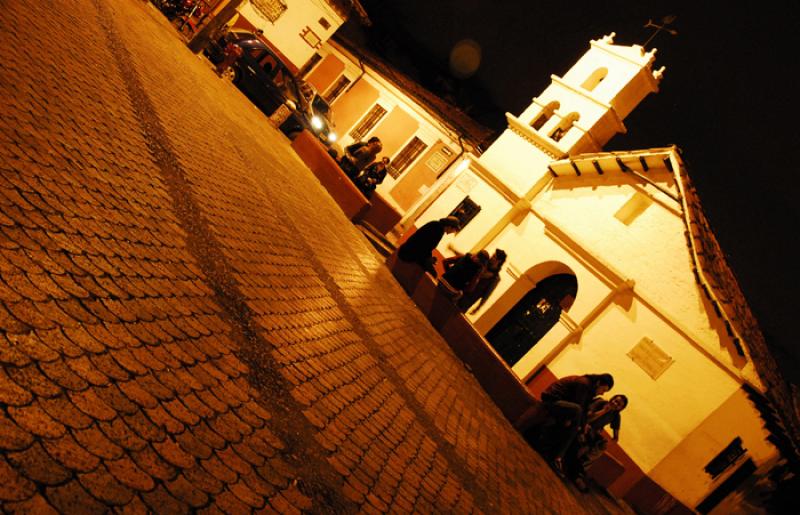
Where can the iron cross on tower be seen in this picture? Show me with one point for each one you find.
(665, 22)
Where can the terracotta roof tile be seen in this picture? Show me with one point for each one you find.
(77, 311)
(63, 410)
(118, 401)
(160, 501)
(106, 364)
(10, 391)
(230, 504)
(150, 462)
(7, 293)
(97, 443)
(10, 323)
(32, 379)
(84, 367)
(21, 284)
(245, 451)
(135, 392)
(141, 333)
(156, 389)
(243, 492)
(129, 474)
(38, 466)
(126, 359)
(248, 416)
(163, 419)
(172, 452)
(26, 312)
(10, 354)
(104, 487)
(73, 498)
(146, 358)
(36, 504)
(122, 337)
(144, 427)
(12, 436)
(98, 309)
(90, 403)
(32, 345)
(121, 434)
(187, 492)
(171, 380)
(201, 479)
(208, 435)
(58, 342)
(193, 445)
(70, 454)
(61, 374)
(35, 420)
(46, 284)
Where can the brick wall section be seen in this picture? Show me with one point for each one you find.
(187, 320)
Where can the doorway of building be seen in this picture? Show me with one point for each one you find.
(532, 317)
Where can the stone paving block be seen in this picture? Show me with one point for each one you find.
(189, 322)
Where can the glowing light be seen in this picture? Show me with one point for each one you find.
(332, 137)
(316, 122)
(463, 165)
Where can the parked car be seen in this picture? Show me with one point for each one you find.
(267, 82)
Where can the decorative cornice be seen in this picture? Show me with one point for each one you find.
(534, 137)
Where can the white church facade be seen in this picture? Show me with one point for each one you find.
(611, 268)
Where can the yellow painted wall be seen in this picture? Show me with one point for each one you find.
(350, 107)
(681, 471)
(325, 73)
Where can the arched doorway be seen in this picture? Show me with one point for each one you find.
(532, 317)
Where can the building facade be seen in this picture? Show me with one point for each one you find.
(606, 274)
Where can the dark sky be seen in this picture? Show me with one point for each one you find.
(727, 100)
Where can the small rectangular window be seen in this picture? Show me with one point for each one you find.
(368, 122)
(726, 458)
(325, 24)
(312, 62)
(633, 208)
(465, 211)
(407, 156)
(337, 89)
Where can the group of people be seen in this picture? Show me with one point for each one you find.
(572, 432)
(471, 277)
(359, 163)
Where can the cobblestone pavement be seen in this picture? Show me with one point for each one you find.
(188, 322)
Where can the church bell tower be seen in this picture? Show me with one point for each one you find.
(577, 113)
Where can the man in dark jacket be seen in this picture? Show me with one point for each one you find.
(567, 400)
(418, 248)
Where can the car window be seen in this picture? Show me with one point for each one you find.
(320, 105)
(269, 63)
(256, 53)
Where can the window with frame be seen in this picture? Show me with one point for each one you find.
(465, 211)
(312, 62)
(270, 9)
(368, 122)
(726, 458)
(337, 89)
(407, 156)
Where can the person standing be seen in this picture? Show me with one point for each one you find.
(418, 248)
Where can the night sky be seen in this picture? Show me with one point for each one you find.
(727, 100)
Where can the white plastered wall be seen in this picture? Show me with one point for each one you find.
(285, 32)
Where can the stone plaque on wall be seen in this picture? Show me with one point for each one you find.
(650, 357)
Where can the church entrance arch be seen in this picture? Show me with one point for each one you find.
(533, 315)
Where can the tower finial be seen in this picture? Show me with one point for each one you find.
(665, 21)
